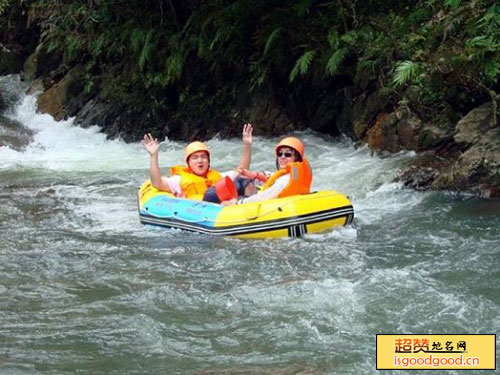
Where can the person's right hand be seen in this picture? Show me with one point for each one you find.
(246, 173)
(150, 144)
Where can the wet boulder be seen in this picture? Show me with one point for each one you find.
(395, 131)
(13, 134)
(40, 63)
(467, 161)
(59, 98)
(367, 111)
(477, 169)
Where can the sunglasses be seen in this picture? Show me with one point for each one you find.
(285, 154)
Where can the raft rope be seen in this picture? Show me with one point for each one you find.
(206, 219)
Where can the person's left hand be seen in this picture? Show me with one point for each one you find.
(230, 202)
(247, 134)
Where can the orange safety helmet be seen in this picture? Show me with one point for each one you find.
(292, 142)
(195, 147)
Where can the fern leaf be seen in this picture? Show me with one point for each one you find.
(137, 37)
(333, 40)
(302, 64)
(271, 39)
(72, 48)
(350, 37)
(415, 38)
(174, 66)
(405, 71)
(366, 66)
(492, 70)
(4, 4)
(334, 62)
(482, 42)
(452, 3)
(96, 46)
(302, 7)
(145, 52)
(222, 34)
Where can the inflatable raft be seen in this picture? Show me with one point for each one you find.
(281, 217)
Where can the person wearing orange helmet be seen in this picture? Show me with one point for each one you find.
(191, 181)
(293, 175)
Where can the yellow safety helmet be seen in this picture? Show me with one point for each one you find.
(195, 147)
(292, 142)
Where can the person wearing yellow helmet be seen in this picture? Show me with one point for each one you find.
(191, 181)
(293, 175)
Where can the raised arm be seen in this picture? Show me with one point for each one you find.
(152, 146)
(246, 154)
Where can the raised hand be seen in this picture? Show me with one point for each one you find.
(150, 144)
(247, 134)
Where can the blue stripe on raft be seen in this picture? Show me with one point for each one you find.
(199, 212)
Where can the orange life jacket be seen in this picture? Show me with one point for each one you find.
(192, 185)
(300, 179)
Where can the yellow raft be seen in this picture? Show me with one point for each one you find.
(281, 217)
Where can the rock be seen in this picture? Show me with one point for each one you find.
(408, 130)
(382, 135)
(472, 127)
(40, 62)
(412, 94)
(116, 120)
(466, 161)
(395, 131)
(55, 100)
(94, 112)
(366, 111)
(10, 62)
(477, 170)
(471, 161)
(269, 118)
(423, 171)
(37, 86)
(430, 137)
(418, 178)
(31, 69)
(330, 113)
(13, 134)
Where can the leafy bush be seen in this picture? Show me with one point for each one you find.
(175, 58)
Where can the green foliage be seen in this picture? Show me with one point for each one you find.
(4, 4)
(183, 57)
(302, 64)
(146, 50)
(72, 48)
(173, 67)
(492, 70)
(335, 60)
(452, 3)
(272, 38)
(405, 71)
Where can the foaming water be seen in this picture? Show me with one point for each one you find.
(85, 286)
(60, 146)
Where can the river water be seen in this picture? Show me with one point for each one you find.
(85, 289)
